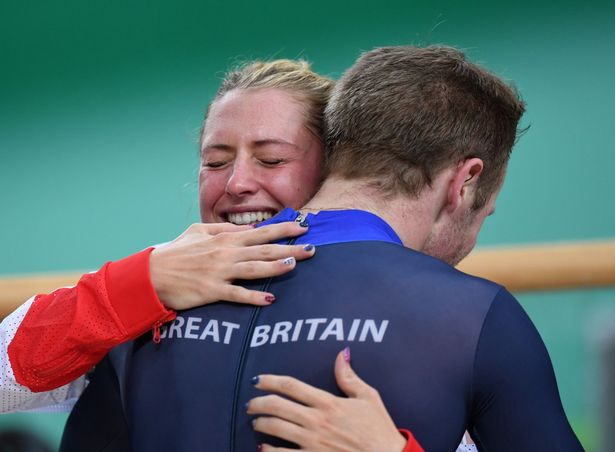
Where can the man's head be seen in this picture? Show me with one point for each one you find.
(425, 124)
(262, 146)
(402, 114)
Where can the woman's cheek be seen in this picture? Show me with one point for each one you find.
(293, 187)
(211, 189)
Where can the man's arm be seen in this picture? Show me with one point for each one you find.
(516, 404)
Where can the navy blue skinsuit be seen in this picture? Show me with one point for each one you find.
(447, 352)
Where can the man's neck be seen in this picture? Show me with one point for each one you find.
(405, 215)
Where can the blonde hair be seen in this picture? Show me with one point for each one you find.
(293, 76)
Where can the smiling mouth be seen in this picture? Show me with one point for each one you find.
(249, 217)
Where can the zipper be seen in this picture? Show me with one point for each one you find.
(156, 332)
(245, 346)
(158, 324)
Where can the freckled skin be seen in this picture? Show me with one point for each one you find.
(257, 155)
(456, 241)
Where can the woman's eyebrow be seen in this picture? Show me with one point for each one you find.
(218, 146)
(270, 141)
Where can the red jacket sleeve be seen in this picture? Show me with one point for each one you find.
(412, 445)
(65, 333)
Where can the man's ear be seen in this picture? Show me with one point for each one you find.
(461, 188)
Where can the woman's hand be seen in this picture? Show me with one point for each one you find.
(317, 420)
(199, 267)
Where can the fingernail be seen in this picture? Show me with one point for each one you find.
(255, 380)
(304, 224)
(246, 405)
(259, 447)
(289, 261)
(346, 354)
(308, 247)
(269, 298)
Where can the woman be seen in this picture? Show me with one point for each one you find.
(261, 151)
(195, 269)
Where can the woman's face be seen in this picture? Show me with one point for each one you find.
(257, 157)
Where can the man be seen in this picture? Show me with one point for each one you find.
(418, 142)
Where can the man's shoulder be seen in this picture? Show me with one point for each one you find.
(380, 280)
(394, 262)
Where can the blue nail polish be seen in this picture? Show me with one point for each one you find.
(254, 380)
(308, 248)
(246, 405)
(289, 261)
(304, 224)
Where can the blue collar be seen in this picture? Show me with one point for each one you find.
(339, 226)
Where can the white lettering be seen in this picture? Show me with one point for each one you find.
(260, 335)
(176, 326)
(230, 327)
(313, 326)
(334, 328)
(353, 329)
(297, 330)
(192, 324)
(281, 329)
(211, 329)
(164, 329)
(377, 333)
(279, 332)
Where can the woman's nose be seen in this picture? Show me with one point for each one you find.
(243, 179)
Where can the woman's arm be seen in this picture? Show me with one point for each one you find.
(54, 339)
(16, 397)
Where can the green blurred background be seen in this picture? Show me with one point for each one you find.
(101, 102)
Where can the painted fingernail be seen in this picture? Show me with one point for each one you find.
(246, 405)
(289, 261)
(346, 354)
(254, 380)
(308, 248)
(304, 224)
(259, 447)
(269, 298)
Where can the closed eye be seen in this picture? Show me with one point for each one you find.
(216, 156)
(272, 162)
(213, 164)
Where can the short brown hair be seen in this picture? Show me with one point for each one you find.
(399, 115)
(294, 76)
